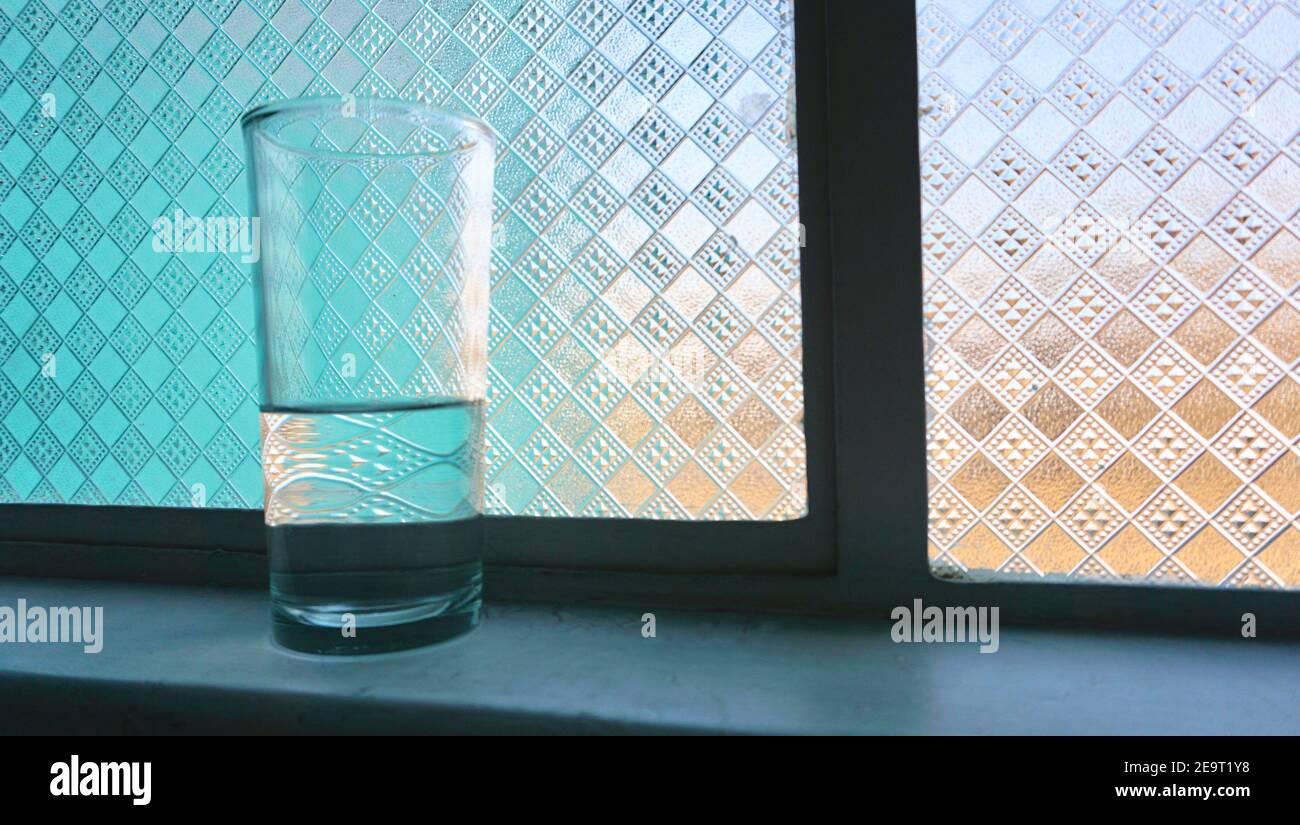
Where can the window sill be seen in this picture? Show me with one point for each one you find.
(190, 660)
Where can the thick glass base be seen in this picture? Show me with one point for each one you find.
(334, 630)
(359, 589)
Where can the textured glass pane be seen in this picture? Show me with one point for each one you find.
(1112, 309)
(646, 322)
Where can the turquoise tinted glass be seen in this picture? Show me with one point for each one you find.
(645, 343)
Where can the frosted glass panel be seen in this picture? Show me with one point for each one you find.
(646, 352)
(1112, 289)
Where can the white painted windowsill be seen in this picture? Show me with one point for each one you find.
(179, 659)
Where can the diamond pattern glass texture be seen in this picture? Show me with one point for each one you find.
(1112, 288)
(645, 331)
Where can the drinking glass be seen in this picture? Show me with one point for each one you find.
(372, 288)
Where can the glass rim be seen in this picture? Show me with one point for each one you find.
(483, 135)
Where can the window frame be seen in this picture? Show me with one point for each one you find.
(862, 548)
(799, 547)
